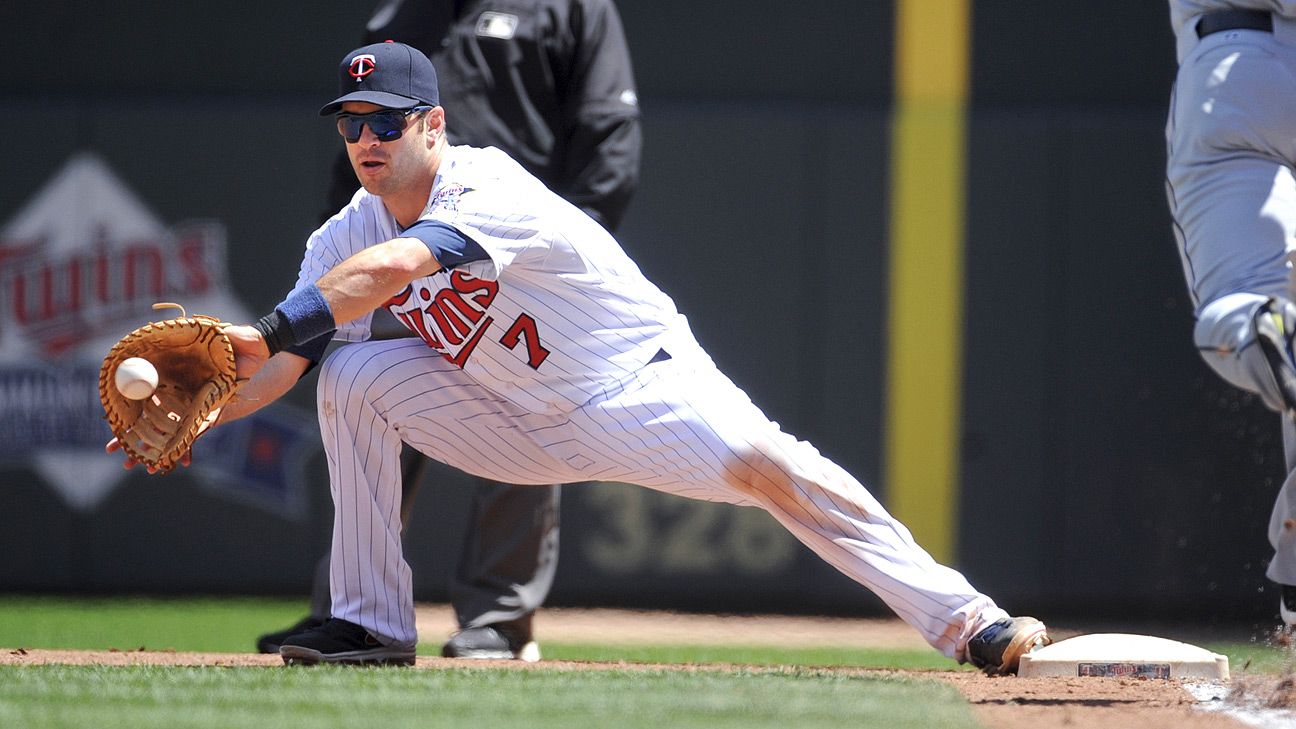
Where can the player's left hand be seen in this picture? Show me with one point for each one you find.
(250, 350)
(186, 460)
(128, 463)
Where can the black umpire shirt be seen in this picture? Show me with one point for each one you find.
(547, 81)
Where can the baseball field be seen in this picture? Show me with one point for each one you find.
(186, 663)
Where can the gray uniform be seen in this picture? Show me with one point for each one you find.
(1231, 143)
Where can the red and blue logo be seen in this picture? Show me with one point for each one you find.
(362, 65)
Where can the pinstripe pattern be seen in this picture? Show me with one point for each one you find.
(595, 313)
(678, 426)
(532, 369)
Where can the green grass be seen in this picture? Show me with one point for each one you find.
(1252, 658)
(790, 693)
(231, 625)
(218, 625)
(321, 698)
(915, 660)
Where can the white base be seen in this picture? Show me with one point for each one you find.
(1123, 655)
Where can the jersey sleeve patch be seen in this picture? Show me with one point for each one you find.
(448, 245)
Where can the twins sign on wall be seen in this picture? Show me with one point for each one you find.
(81, 264)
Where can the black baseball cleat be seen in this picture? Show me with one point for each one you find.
(1275, 325)
(999, 646)
(342, 642)
(270, 642)
(1287, 604)
(491, 641)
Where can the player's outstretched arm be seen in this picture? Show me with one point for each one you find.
(351, 289)
(364, 281)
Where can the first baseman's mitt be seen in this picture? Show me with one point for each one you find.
(195, 365)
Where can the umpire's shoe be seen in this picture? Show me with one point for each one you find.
(1000, 645)
(491, 641)
(1275, 325)
(340, 641)
(270, 642)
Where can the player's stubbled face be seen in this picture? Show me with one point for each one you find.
(386, 167)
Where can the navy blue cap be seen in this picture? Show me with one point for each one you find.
(389, 74)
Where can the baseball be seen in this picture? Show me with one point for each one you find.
(136, 378)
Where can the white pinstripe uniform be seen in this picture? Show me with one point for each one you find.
(542, 364)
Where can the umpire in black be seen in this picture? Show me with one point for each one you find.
(550, 83)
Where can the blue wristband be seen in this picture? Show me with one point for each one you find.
(303, 316)
(308, 314)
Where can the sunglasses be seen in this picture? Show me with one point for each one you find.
(387, 125)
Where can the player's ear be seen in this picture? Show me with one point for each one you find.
(436, 121)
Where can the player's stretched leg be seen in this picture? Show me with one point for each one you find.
(675, 426)
(696, 434)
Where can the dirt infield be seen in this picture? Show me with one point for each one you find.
(1007, 702)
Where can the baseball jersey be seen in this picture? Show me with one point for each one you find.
(551, 315)
(1184, 14)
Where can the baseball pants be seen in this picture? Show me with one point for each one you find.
(508, 558)
(677, 425)
(1231, 141)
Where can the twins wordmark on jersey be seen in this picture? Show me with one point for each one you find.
(456, 318)
(545, 309)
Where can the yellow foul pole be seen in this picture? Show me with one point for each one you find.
(925, 321)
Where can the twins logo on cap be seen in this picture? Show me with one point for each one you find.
(391, 75)
(362, 65)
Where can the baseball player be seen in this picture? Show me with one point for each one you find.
(543, 356)
(1231, 143)
(550, 84)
